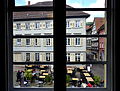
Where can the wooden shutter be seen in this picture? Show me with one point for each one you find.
(43, 25)
(72, 57)
(81, 41)
(14, 26)
(38, 41)
(23, 26)
(32, 25)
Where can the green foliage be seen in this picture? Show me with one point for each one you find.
(48, 78)
(28, 74)
(96, 80)
(68, 78)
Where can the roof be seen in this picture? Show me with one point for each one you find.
(99, 21)
(89, 26)
(45, 4)
(46, 14)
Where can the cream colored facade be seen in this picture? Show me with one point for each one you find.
(26, 49)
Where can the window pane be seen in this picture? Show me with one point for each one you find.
(86, 76)
(33, 76)
(86, 3)
(33, 23)
(33, 50)
(86, 49)
(85, 23)
(34, 3)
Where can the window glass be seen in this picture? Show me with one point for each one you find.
(34, 3)
(86, 76)
(33, 76)
(87, 49)
(33, 23)
(86, 23)
(32, 49)
(33, 45)
(86, 3)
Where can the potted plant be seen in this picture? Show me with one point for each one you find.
(68, 79)
(48, 79)
(28, 75)
(96, 80)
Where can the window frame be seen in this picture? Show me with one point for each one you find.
(9, 37)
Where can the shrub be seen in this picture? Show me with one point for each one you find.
(28, 74)
(48, 78)
(96, 80)
(68, 78)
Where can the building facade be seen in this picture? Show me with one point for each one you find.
(41, 23)
(97, 47)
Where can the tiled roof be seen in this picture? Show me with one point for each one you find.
(46, 14)
(46, 4)
(99, 22)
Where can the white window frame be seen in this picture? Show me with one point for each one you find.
(27, 25)
(67, 24)
(68, 41)
(48, 41)
(27, 57)
(47, 24)
(27, 44)
(18, 26)
(48, 57)
(37, 25)
(68, 57)
(77, 42)
(18, 41)
(77, 24)
(77, 57)
(37, 57)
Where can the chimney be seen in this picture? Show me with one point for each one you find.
(28, 3)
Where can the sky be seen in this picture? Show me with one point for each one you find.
(75, 4)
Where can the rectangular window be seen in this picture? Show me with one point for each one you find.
(36, 56)
(48, 41)
(37, 25)
(77, 41)
(77, 57)
(77, 23)
(68, 57)
(18, 41)
(47, 24)
(68, 41)
(18, 26)
(27, 57)
(27, 25)
(90, 64)
(36, 42)
(27, 41)
(47, 56)
(67, 24)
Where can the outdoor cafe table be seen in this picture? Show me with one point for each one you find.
(75, 79)
(81, 67)
(45, 73)
(29, 66)
(84, 70)
(86, 74)
(69, 71)
(42, 70)
(69, 68)
(89, 79)
(41, 76)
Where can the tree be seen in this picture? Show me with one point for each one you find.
(28, 74)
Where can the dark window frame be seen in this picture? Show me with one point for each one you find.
(7, 26)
